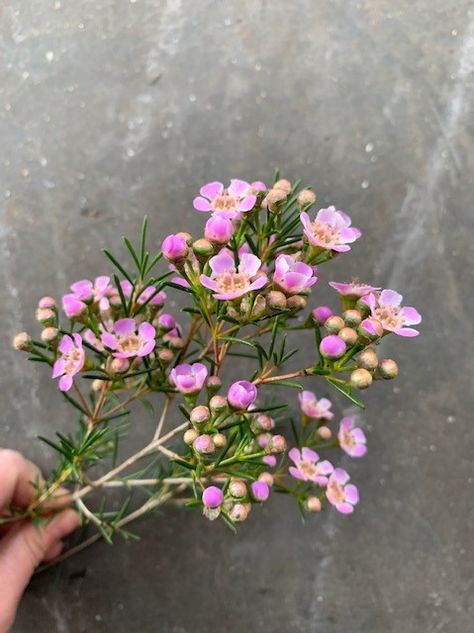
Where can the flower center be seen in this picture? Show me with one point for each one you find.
(130, 343)
(389, 315)
(224, 202)
(308, 469)
(325, 232)
(71, 360)
(336, 491)
(348, 440)
(232, 282)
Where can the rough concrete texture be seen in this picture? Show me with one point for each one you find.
(112, 109)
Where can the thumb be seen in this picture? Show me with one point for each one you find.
(21, 550)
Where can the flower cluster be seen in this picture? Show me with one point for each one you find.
(248, 278)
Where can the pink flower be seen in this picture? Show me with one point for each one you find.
(174, 247)
(219, 229)
(353, 289)
(72, 306)
(270, 460)
(308, 467)
(158, 298)
(330, 230)
(128, 341)
(70, 362)
(293, 277)
(340, 494)
(229, 202)
(188, 378)
(242, 394)
(92, 292)
(314, 408)
(228, 283)
(387, 309)
(352, 440)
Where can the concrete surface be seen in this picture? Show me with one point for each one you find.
(112, 109)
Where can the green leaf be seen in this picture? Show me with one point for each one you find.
(131, 250)
(117, 264)
(346, 392)
(143, 240)
(288, 383)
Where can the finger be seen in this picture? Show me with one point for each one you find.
(53, 551)
(22, 549)
(17, 475)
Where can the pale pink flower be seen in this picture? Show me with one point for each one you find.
(70, 362)
(127, 341)
(314, 408)
(352, 289)
(228, 283)
(339, 493)
(96, 292)
(189, 378)
(72, 306)
(293, 277)
(230, 202)
(352, 439)
(387, 309)
(330, 230)
(150, 291)
(308, 467)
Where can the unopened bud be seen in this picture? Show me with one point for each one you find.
(23, 342)
(363, 307)
(187, 237)
(219, 440)
(313, 504)
(334, 324)
(119, 365)
(324, 432)
(361, 379)
(332, 347)
(175, 342)
(277, 444)
(296, 303)
(213, 384)
(237, 488)
(262, 423)
(259, 307)
(388, 368)
(200, 415)
(165, 356)
(45, 316)
(97, 384)
(204, 445)
(370, 329)
(368, 360)
(306, 197)
(352, 318)
(189, 436)
(276, 300)
(260, 491)
(283, 185)
(50, 335)
(267, 478)
(349, 336)
(239, 512)
(174, 248)
(203, 248)
(321, 314)
(274, 200)
(217, 404)
(47, 302)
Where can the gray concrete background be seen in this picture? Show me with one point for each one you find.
(112, 109)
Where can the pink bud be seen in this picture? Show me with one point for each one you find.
(73, 308)
(260, 491)
(270, 460)
(241, 394)
(212, 497)
(332, 347)
(321, 314)
(47, 302)
(277, 444)
(174, 247)
(204, 444)
(219, 229)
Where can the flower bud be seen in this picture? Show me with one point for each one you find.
(237, 488)
(166, 322)
(203, 249)
(189, 436)
(119, 365)
(166, 357)
(187, 237)
(175, 342)
(22, 342)
(370, 329)
(276, 301)
(388, 369)
(219, 440)
(219, 229)
(270, 460)
(45, 316)
(274, 200)
(260, 491)
(321, 314)
(363, 307)
(332, 347)
(259, 307)
(204, 445)
(264, 439)
(313, 504)
(334, 324)
(241, 394)
(174, 248)
(213, 384)
(277, 444)
(97, 384)
(262, 423)
(368, 359)
(283, 185)
(267, 478)
(73, 308)
(200, 415)
(218, 404)
(47, 302)
(306, 197)
(212, 497)
(239, 512)
(352, 318)
(296, 303)
(50, 335)
(361, 379)
(324, 432)
(349, 336)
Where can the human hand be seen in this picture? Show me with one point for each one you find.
(23, 546)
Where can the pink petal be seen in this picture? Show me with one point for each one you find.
(247, 203)
(66, 344)
(411, 316)
(340, 475)
(327, 216)
(325, 467)
(309, 454)
(147, 348)
(346, 424)
(222, 262)
(359, 436)
(406, 331)
(358, 451)
(102, 282)
(258, 283)
(324, 403)
(294, 455)
(125, 326)
(352, 494)
(207, 282)
(212, 189)
(249, 264)
(305, 221)
(294, 472)
(147, 331)
(339, 248)
(201, 204)
(238, 187)
(109, 340)
(65, 383)
(58, 368)
(390, 297)
(77, 339)
(345, 508)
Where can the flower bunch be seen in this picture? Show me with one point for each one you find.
(247, 281)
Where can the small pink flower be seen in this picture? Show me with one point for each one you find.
(230, 202)
(352, 440)
(293, 277)
(128, 341)
(96, 291)
(228, 283)
(219, 229)
(387, 309)
(72, 306)
(331, 230)
(353, 289)
(150, 291)
(308, 467)
(270, 460)
(189, 378)
(340, 494)
(70, 362)
(242, 394)
(314, 408)
(174, 247)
